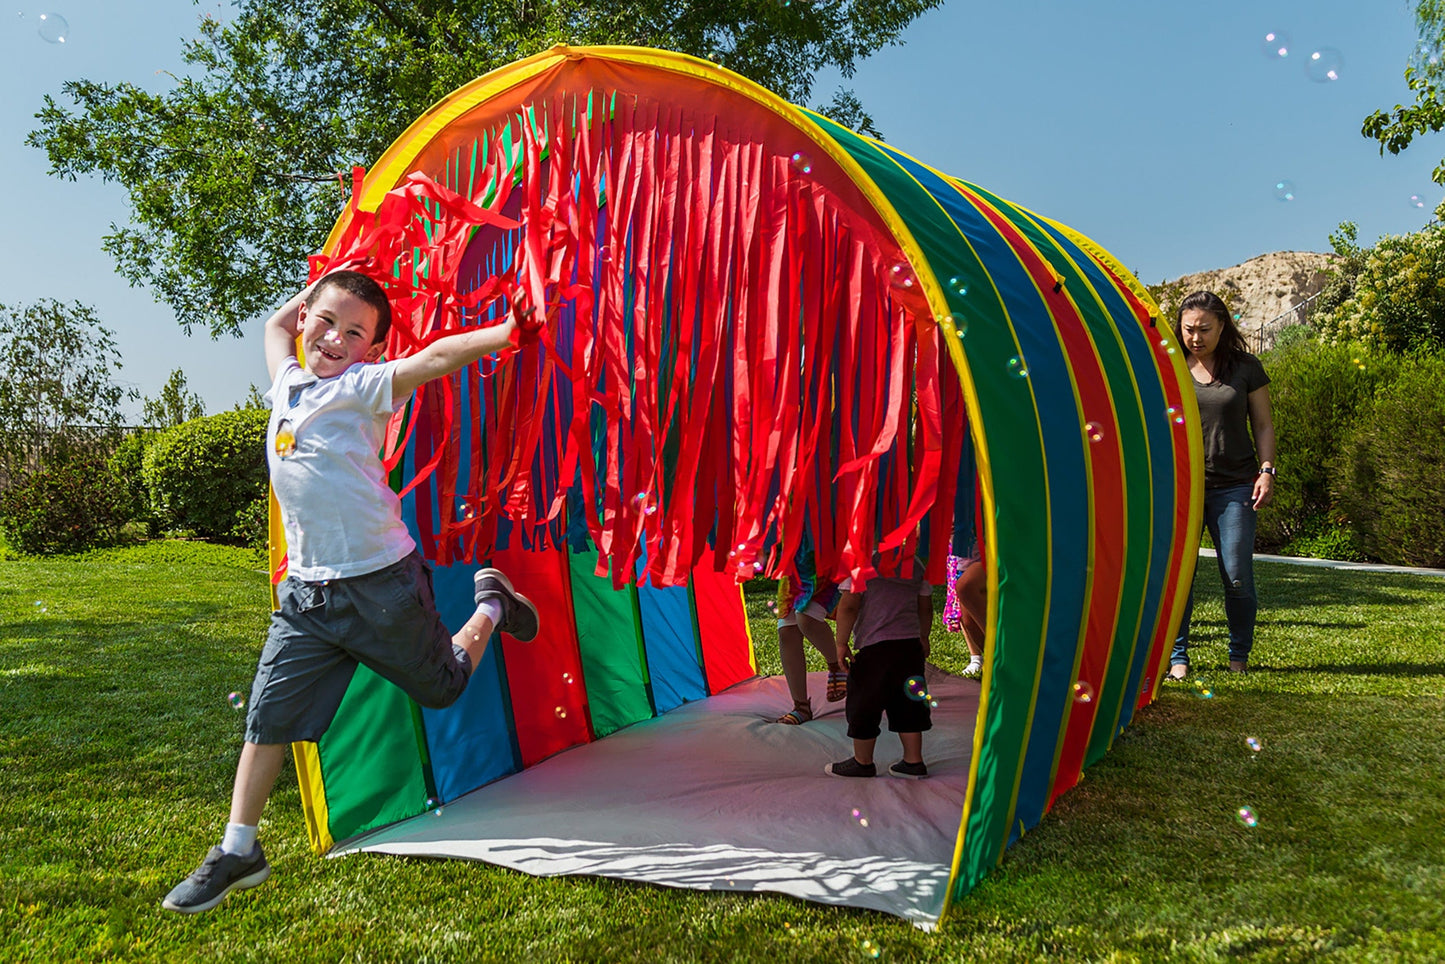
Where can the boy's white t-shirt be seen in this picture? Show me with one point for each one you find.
(340, 517)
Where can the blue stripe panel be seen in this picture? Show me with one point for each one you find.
(1068, 495)
(672, 653)
(470, 742)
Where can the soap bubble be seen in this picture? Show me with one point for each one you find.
(1174, 414)
(649, 510)
(1017, 367)
(1284, 190)
(1324, 65)
(604, 254)
(1416, 201)
(858, 816)
(465, 511)
(802, 163)
(956, 323)
(916, 688)
(53, 29)
(901, 275)
(434, 805)
(1253, 743)
(1246, 817)
(870, 949)
(1276, 45)
(1094, 431)
(560, 712)
(567, 678)
(958, 285)
(1202, 691)
(1083, 692)
(237, 701)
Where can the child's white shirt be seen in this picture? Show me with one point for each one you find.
(340, 517)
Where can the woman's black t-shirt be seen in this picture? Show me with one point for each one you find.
(1229, 457)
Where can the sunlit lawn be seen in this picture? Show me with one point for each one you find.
(117, 747)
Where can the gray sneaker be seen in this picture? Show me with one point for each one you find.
(519, 616)
(908, 771)
(219, 874)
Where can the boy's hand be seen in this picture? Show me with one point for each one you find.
(845, 655)
(527, 324)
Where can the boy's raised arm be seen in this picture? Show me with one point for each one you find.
(279, 335)
(446, 355)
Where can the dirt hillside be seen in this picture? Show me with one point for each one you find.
(1262, 290)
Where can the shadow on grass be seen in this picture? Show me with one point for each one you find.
(1356, 669)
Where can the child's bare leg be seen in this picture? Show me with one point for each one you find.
(256, 774)
(863, 750)
(820, 634)
(912, 747)
(473, 637)
(795, 665)
(973, 635)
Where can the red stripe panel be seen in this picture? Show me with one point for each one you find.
(549, 713)
(722, 627)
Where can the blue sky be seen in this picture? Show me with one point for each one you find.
(1158, 127)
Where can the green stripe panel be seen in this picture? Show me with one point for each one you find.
(610, 640)
(1008, 419)
(371, 761)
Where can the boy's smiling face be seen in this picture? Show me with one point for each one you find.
(338, 330)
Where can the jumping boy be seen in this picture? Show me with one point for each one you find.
(357, 590)
(891, 622)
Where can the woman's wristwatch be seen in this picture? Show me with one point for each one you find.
(1268, 470)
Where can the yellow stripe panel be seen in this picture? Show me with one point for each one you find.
(313, 796)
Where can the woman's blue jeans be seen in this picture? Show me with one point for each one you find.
(1229, 516)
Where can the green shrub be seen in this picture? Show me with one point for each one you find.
(203, 474)
(1315, 391)
(127, 464)
(65, 506)
(1331, 542)
(252, 527)
(1390, 472)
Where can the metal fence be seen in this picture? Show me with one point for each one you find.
(1263, 337)
(26, 452)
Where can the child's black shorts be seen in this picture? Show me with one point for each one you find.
(878, 684)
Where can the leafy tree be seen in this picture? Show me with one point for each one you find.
(253, 399)
(1425, 77)
(233, 172)
(1396, 294)
(59, 363)
(175, 404)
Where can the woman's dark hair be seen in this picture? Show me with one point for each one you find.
(1231, 342)
(360, 286)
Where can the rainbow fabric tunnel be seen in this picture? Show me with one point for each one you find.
(764, 337)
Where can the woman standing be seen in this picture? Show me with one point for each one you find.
(1239, 473)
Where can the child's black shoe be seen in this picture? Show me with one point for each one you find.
(851, 768)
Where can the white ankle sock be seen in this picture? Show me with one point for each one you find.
(975, 662)
(240, 839)
(491, 607)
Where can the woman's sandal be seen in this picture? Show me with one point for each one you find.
(796, 716)
(837, 685)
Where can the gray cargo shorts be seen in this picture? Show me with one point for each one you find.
(386, 620)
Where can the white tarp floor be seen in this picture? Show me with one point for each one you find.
(713, 795)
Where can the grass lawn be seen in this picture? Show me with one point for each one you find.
(117, 747)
